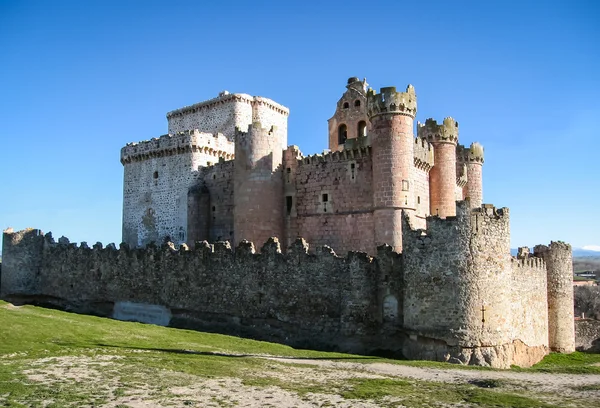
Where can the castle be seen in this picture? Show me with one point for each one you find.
(224, 172)
(428, 272)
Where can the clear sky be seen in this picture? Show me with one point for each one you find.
(80, 79)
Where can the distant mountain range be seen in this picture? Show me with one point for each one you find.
(577, 253)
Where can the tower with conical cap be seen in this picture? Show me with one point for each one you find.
(392, 115)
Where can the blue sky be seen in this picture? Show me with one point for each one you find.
(80, 79)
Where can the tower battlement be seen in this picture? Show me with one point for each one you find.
(389, 101)
(471, 154)
(187, 141)
(226, 98)
(346, 154)
(529, 263)
(255, 127)
(423, 154)
(446, 132)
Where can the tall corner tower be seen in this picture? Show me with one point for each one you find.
(473, 158)
(558, 257)
(442, 177)
(258, 184)
(392, 115)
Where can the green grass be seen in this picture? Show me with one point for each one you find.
(125, 357)
(574, 363)
(422, 394)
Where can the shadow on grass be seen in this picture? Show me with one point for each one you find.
(211, 353)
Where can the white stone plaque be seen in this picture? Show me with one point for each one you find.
(142, 312)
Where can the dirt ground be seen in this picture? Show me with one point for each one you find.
(230, 392)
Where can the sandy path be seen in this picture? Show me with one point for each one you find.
(543, 382)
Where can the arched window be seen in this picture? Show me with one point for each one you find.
(362, 128)
(342, 134)
(357, 102)
(346, 105)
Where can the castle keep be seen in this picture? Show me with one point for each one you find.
(428, 272)
(225, 172)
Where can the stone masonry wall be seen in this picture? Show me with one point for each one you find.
(459, 292)
(226, 113)
(529, 301)
(155, 199)
(421, 182)
(157, 177)
(321, 300)
(333, 200)
(587, 335)
(21, 260)
(213, 221)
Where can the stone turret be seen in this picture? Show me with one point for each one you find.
(472, 158)
(561, 320)
(442, 177)
(392, 114)
(258, 184)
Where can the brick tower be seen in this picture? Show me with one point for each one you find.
(473, 158)
(392, 116)
(442, 177)
(258, 184)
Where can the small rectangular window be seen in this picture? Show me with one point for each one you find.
(405, 185)
(325, 198)
(288, 204)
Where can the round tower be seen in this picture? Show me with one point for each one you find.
(442, 177)
(392, 115)
(473, 158)
(258, 185)
(561, 320)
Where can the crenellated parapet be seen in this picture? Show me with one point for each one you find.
(526, 260)
(255, 128)
(424, 156)
(389, 101)
(471, 154)
(189, 141)
(227, 98)
(446, 132)
(337, 156)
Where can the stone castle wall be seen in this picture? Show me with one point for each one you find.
(455, 294)
(333, 200)
(460, 292)
(157, 177)
(529, 300)
(211, 204)
(226, 113)
(587, 335)
(320, 300)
